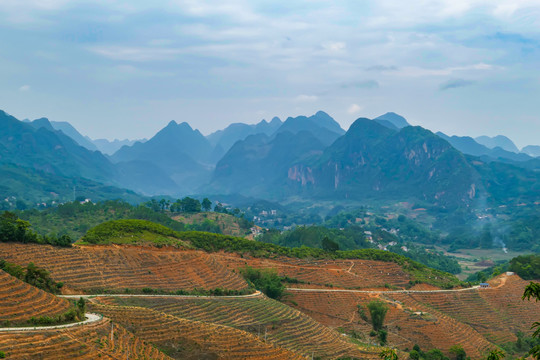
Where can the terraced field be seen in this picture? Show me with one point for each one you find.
(184, 339)
(475, 319)
(101, 340)
(94, 268)
(497, 313)
(262, 317)
(19, 301)
(405, 325)
(351, 274)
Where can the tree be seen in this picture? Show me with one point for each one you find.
(266, 280)
(206, 204)
(383, 336)
(388, 354)
(377, 310)
(533, 291)
(191, 205)
(458, 352)
(414, 355)
(81, 307)
(435, 354)
(495, 354)
(329, 245)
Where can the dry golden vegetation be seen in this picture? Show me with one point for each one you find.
(253, 327)
(116, 268)
(475, 319)
(19, 302)
(101, 340)
(350, 274)
(184, 339)
(276, 322)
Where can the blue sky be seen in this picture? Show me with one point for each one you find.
(124, 69)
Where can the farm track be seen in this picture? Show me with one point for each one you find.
(265, 319)
(99, 339)
(383, 291)
(475, 318)
(90, 318)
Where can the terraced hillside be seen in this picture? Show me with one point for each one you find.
(19, 301)
(350, 274)
(476, 319)
(116, 268)
(190, 339)
(99, 340)
(278, 323)
(405, 325)
(497, 313)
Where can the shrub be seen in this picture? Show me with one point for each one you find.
(377, 310)
(265, 280)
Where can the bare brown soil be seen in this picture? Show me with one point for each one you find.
(101, 340)
(116, 268)
(19, 301)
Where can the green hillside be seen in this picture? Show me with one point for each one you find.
(133, 232)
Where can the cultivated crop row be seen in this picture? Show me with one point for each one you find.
(167, 331)
(19, 302)
(264, 317)
(91, 341)
(95, 268)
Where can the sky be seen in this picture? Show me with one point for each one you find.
(124, 69)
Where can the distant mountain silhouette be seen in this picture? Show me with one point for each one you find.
(392, 120)
(223, 140)
(110, 147)
(261, 163)
(309, 157)
(70, 131)
(38, 145)
(179, 151)
(498, 141)
(321, 125)
(531, 150)
(468, 145)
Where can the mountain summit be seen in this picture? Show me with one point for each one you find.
(392, 120)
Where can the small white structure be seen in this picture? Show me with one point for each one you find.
(509, 273)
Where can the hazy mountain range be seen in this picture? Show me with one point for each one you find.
(313, 157)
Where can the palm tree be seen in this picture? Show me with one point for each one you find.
(388, 354)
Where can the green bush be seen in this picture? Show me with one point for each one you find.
(265, 280)
(377, 310)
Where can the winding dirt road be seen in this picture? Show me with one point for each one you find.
(90, 318)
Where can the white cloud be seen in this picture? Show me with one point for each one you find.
(418, 72)
(354, 109)
(24, 88)
(334, 46)
(306, 98)
(137, 54)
